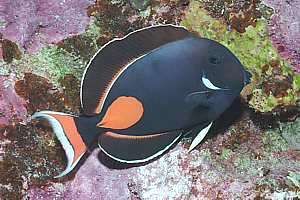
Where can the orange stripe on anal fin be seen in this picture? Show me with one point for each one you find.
(123, 113)
(72, 134)
(132, 137)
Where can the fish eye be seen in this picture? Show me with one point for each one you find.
(214, 60)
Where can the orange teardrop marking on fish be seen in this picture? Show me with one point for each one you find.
(123, 113)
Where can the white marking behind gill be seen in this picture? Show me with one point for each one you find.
(209, 84)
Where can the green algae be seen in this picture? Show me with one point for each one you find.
(140, 4)
(225, 154)
(262, 102)
(56, 61)
(93, 30)
(266, 11)
(253, 48)
(243, 163)
(51, 62)
(294, 177)
(3, 70)
(84, 45)
(274, 142)
(282, 138)
(291, 133)
(270, 182)
(296, 82)
(206, 154)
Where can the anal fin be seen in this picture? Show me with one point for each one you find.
(136, 149)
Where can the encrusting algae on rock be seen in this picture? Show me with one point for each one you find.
(34, 24)
(256, 52)
(257, 157)
(284, 30)
(31, 154)
(291, 133)
(52, 62)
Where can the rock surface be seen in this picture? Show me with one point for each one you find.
(244, 162)
(12, 106)
(254, 156)
(33, 23)
(92, 181)
(284, 29)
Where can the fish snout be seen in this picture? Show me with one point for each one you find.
(247, 77)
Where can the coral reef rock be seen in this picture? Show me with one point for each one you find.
(92, 181)
(33, 23)
(12, 107)
(284, 29)
(244, 162)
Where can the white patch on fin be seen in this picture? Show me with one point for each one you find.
(209, 84)
(199, 137)
(142, 160)
(60, 134)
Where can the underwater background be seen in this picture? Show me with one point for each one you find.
(253, 154)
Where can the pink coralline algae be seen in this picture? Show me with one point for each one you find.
(92, 181)
(34, 23)
(233, 165)
(161, 179)
(284, 29)
(12, 107)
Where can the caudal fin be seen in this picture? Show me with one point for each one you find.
(66, 129)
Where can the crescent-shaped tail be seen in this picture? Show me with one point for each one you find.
(66, 128)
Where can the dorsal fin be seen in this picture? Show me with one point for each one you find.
(114, 57)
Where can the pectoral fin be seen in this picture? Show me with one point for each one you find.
(198, 98)
(200, 137)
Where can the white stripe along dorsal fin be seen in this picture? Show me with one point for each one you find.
(116, 56)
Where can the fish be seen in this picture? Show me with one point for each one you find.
(142, 93)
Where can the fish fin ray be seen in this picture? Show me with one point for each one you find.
(115, 57)
(136, 149)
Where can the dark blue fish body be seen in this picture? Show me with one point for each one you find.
(141, 93)
(165, 77)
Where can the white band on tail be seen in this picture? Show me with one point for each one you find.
(60, 134)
